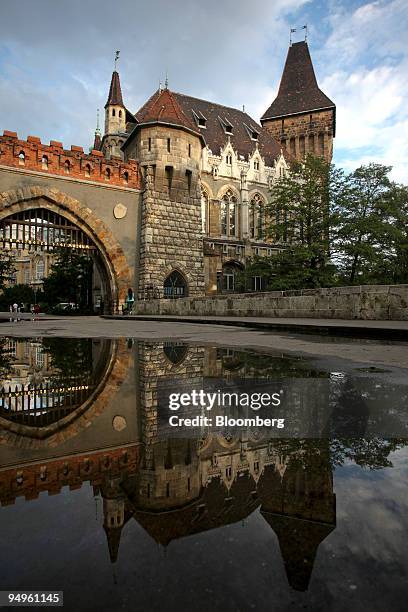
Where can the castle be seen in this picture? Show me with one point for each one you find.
(171, 200)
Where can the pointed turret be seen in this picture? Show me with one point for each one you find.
(301, 117)
(115, 120)
(115, 91)
(97, 139)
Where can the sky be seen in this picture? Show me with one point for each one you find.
(56, 60)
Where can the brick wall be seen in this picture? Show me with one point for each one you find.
(53, 159)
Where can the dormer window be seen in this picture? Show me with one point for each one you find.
(228, 129)
(254, 135)
(199, 118)
(252, 132)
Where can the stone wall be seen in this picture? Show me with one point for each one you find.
(383, 302)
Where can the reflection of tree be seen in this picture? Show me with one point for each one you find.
(371, 453)
(6, 358)
(71, 358)
(269, 366)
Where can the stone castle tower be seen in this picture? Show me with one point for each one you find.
(302, 118)
(168, 147)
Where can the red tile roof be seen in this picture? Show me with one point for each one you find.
(215, 117)
(163, 107)
(298, 90)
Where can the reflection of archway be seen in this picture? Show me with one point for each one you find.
(110, 374)
(229, 280)
(118, 273)
(175, 285)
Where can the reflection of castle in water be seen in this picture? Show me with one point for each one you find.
(172, 488)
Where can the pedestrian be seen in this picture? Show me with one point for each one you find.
(15, 307)
(130, 300)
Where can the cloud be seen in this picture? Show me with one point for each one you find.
(56, 62)
(366, 68)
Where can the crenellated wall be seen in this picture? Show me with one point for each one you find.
(53, 159)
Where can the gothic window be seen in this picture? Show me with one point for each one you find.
(257, 217)
(293, 146)
(126, 177)
(40, 270)
(256, 164)
(228, 214)
(228, 159)
(175, 285)
(113, 112)
(302, 145)
(67, 167)
(107, 174)
(321, 144)
(230, 281)
(87, 170)
(21, 158)
(311, 143)
(44, 162)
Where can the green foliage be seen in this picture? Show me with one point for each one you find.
(71, 359)
(19, 294)
(69, 279)
(334, 229)
(6, 269)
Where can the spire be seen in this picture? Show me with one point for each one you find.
(113, 536)
(115, 91)
(97, 140)
(298, 90)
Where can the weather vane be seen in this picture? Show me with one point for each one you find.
(117, 53)
(293, 30)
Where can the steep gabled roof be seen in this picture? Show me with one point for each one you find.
(115, 91)
(163, 107)
(216, 117)
(298, 89)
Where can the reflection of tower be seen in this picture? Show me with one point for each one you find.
(300, 506)
(114, 515)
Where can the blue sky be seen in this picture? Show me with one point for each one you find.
(56, 60)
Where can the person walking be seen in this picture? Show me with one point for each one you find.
(130, 300)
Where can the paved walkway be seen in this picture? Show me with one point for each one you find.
(344, 327)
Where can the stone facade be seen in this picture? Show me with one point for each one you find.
(174, 197)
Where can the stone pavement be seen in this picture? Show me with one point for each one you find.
(333, 351)
(343, 327)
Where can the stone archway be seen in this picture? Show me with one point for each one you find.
(113, 257)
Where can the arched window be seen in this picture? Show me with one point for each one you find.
(120, 113)
(107, 174)
(257, 217)
(175, 285)
(113, 112)
(228, 214)
(228, 159)
(67, 167)
(21, 158)
(44, 162)
(230, 272)
(88, 170)
(175, 352)
(256, 164)
(126, 177)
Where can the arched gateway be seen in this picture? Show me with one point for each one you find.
(42, 218)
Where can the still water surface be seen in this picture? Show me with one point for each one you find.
(97, 502)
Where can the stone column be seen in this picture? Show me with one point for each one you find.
(244, 205)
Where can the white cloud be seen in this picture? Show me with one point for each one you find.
(366, 67)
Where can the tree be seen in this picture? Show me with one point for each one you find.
(69, 279)
(365, 227)
(16, 294)
(302, 214)
(7, 269)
